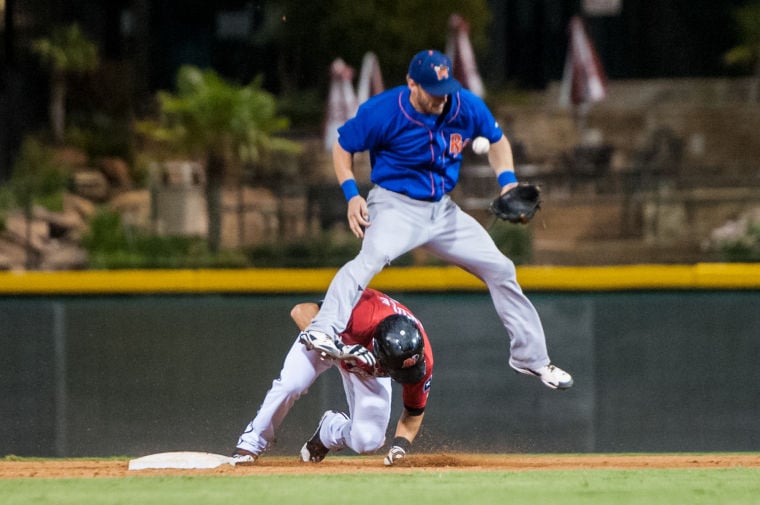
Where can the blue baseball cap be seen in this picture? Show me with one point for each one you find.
(433, 71)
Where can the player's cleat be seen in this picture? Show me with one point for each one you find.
(554, 377)
(243, 457)
(321, 342)
(314, 450)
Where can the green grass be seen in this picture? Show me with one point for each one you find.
(602, 487)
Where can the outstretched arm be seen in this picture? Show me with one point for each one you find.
(407, 428)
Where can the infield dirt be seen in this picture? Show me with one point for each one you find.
(84, 468)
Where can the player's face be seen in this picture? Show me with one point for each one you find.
(423, 101)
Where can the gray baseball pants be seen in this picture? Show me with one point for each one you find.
(400, 224)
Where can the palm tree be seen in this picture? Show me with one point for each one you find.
(748, 52)
(66, 51)
(229, 125)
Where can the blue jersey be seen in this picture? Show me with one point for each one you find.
(416, 154)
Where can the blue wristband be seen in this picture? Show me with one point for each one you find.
(507, 177)
(350, 189)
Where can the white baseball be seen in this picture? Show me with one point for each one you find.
(480, 145)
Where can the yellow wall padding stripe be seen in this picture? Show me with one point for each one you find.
(532, 278)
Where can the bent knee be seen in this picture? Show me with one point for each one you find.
(501, 269)
(364, 440)
(372, 260)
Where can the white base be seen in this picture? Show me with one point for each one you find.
(182, 459)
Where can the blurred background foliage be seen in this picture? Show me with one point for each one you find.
(111, 244)
(250, 114)
(315, 33)
(226, 124)
(36, 179)
(237, 129)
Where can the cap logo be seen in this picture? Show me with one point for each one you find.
(442, 71)
(411, 361)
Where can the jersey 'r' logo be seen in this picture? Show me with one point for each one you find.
(442, 71)
(455, 144)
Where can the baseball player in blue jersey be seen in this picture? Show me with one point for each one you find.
(415, 135)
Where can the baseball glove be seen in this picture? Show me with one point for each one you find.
(519, 204)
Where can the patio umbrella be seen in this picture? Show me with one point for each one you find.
(584, 81)
(459, 49)
(343, 99)
(370, 78)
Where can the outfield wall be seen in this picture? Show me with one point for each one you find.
(136, 362)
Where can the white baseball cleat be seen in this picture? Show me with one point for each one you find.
(314, 450)
(321, 342)
(553, 376)
(243, 457)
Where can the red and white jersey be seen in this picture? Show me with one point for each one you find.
(372, 308)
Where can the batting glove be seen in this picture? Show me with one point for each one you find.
(323, 343)
(358, 353)
(395, 455)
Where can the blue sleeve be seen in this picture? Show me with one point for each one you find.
(480, 118)
(485, 123)
(361, 132)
